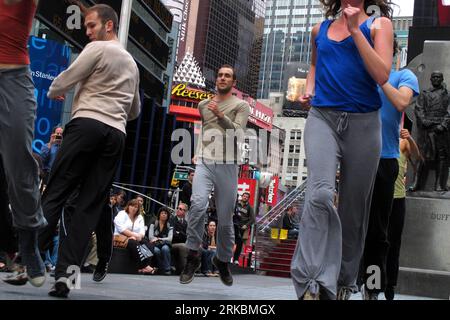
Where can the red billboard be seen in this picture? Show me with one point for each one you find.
(247, 185)
(444, 12)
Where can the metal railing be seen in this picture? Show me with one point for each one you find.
(273, 219)
(273, 215)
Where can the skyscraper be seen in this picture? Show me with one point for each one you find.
(287, 34)
(227, 33)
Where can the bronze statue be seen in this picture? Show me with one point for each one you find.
(433, 124)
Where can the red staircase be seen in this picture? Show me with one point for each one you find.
(273, 256)
(277, 261)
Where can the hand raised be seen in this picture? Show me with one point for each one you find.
(305, 101)
(351, 16)
(404, 134)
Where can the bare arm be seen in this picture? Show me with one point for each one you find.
(400, 98)
(412, 150)
(378, 60)
(311, 78)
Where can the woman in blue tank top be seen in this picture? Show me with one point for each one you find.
(351, 55)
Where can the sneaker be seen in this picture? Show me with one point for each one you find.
(389, 293)
(100, 272)
(309, 296)
(16, 279)
(236, 262)
(344, 294)
(224, 271)
(31, 258)
(193, 264)
(60, 289)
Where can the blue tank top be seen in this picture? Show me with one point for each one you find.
(342, 81)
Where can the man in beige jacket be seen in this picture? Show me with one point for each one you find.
(106, 98)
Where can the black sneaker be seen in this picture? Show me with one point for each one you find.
(59, 289)
(193, 263)
(224, 271)
(389, 293)
(101, 269)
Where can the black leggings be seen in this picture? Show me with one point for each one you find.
(396, 222)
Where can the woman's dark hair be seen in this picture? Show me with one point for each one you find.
(333, 7)
(396, 45)
(163, 209)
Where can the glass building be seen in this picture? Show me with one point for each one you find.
(227, 33)
(287, 34)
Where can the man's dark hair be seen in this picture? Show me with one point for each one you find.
(247, 193)
(105, 13)
(228, 67)
(56, 127)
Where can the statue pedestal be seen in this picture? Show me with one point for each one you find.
(425, 251)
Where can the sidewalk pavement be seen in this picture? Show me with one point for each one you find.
(141, 287)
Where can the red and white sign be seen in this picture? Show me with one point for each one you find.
(272, 191)
(444, 13)
(247, 185)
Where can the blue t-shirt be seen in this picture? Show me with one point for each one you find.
(390, 117)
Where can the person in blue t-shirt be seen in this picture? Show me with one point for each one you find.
(396, 96)
(351, 55)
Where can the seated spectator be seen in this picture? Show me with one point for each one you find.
(209, 250)
(289, 222)
(130, 223)
(121, 199)
(160, 235)
(113, 204)
(147, 216)
(179, 250)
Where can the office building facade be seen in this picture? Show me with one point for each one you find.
(287, 39)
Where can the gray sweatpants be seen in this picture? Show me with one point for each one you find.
(330, 242)
(224, 179)
(17, 116)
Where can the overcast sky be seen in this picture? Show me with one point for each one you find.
(406, 8)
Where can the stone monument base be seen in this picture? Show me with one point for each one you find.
(425, 251)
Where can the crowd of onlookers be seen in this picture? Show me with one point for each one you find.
(156, 241)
